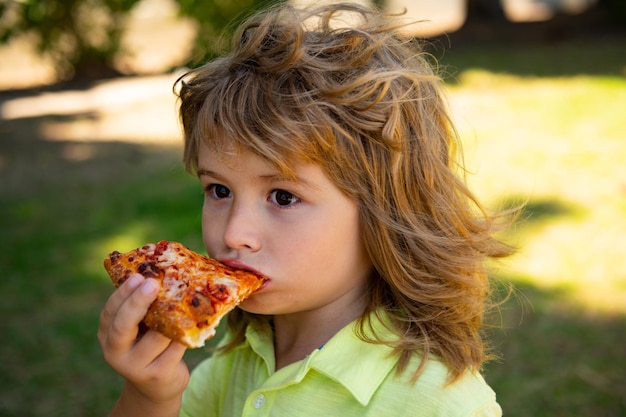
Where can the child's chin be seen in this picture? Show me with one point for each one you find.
(253, 306)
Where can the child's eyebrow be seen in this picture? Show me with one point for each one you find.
(206, 173)
(280, 178)
(288, 179)
(270, 178)
(202, 172)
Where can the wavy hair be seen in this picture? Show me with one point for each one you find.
(337, 86)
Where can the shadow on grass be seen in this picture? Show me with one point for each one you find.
(536, 212)
(580, 58)
(557, 359)
(589, 44)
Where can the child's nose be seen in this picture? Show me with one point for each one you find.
(242, 229)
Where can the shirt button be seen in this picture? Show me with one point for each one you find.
(258, 401)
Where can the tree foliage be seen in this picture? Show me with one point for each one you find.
(81, 36)
(84, 36)
(616, 9)
(216, 18)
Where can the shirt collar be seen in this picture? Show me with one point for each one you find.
(341, 359)
(260, 338)
(359, 366)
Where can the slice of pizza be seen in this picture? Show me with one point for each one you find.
(196, 291)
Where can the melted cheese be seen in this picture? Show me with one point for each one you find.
(168, 257)
(197, 339)
(174, 288)
(230, 283)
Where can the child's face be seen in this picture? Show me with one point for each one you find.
(302, 234)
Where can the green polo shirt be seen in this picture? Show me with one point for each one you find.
(346, 377)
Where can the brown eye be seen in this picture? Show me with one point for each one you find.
(218, 191)
(283, 198)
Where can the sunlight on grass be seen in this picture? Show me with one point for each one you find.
(122, 109)
(559, 140)
(130, 238)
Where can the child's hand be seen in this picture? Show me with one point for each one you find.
(152, 365)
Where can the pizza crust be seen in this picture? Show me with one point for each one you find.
(196, 291)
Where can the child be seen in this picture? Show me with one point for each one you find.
(327, 157)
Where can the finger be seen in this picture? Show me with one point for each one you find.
(113, 304)
(170, 361)
(154, 354)
(119, 296)
(173, 354)
(151, 345)
(124, 325)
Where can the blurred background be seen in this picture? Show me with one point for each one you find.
(90, 152)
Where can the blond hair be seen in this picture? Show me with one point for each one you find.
(365, 105)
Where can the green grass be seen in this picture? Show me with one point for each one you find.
(60, 218)
(543, 125)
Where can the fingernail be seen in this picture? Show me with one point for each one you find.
(134, 281)
(149, 287)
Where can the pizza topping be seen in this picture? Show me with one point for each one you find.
(196, 291)
(148, 269)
